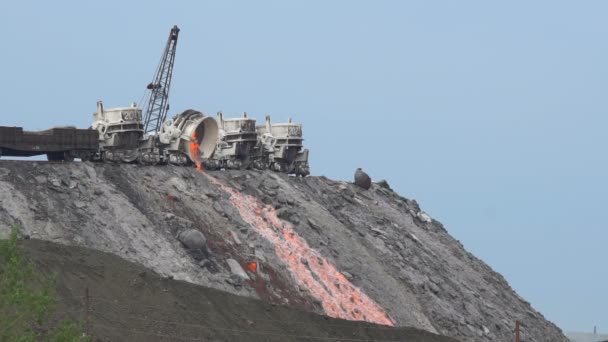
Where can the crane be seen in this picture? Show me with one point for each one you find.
(158, 104)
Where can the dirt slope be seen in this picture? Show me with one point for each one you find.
(128, 302)
(319, 245)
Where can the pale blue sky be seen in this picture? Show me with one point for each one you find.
(492, 116)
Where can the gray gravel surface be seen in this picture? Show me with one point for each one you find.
(381, 242)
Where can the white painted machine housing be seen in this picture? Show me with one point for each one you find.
(120, 131)
(120, 119)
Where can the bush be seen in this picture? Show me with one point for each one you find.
(27, 303)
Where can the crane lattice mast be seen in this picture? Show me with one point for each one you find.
(158, 104)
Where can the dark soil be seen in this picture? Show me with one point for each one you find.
(127, 302)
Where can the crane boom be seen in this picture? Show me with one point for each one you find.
(158, 104)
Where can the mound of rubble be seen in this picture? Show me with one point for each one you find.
(314, 244)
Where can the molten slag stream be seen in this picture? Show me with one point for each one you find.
(195, 152)
(339, 297)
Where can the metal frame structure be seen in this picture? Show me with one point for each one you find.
(158, 104)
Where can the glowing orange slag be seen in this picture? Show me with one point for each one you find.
(252, 266)
(195, 152)
(338, 296)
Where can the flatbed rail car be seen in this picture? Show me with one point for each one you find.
(61, 143)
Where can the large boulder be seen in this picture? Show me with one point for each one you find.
(237, 270)
(192, 239)
(362, 179)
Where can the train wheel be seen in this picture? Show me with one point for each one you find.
(85, 157)
(55, 156)
(141, 160)
(107, 158)
(147, 159)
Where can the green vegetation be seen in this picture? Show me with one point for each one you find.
(27, 305)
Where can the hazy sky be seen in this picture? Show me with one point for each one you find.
(493, 116)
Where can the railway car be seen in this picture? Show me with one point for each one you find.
(58, 144)
(280, 148)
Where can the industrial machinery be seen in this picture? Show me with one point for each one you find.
(189, 137)
(280, 148)
(125, 136)
(60, 143)
(236, 143)
(128, 134)
(158, 102)
(120, 132)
